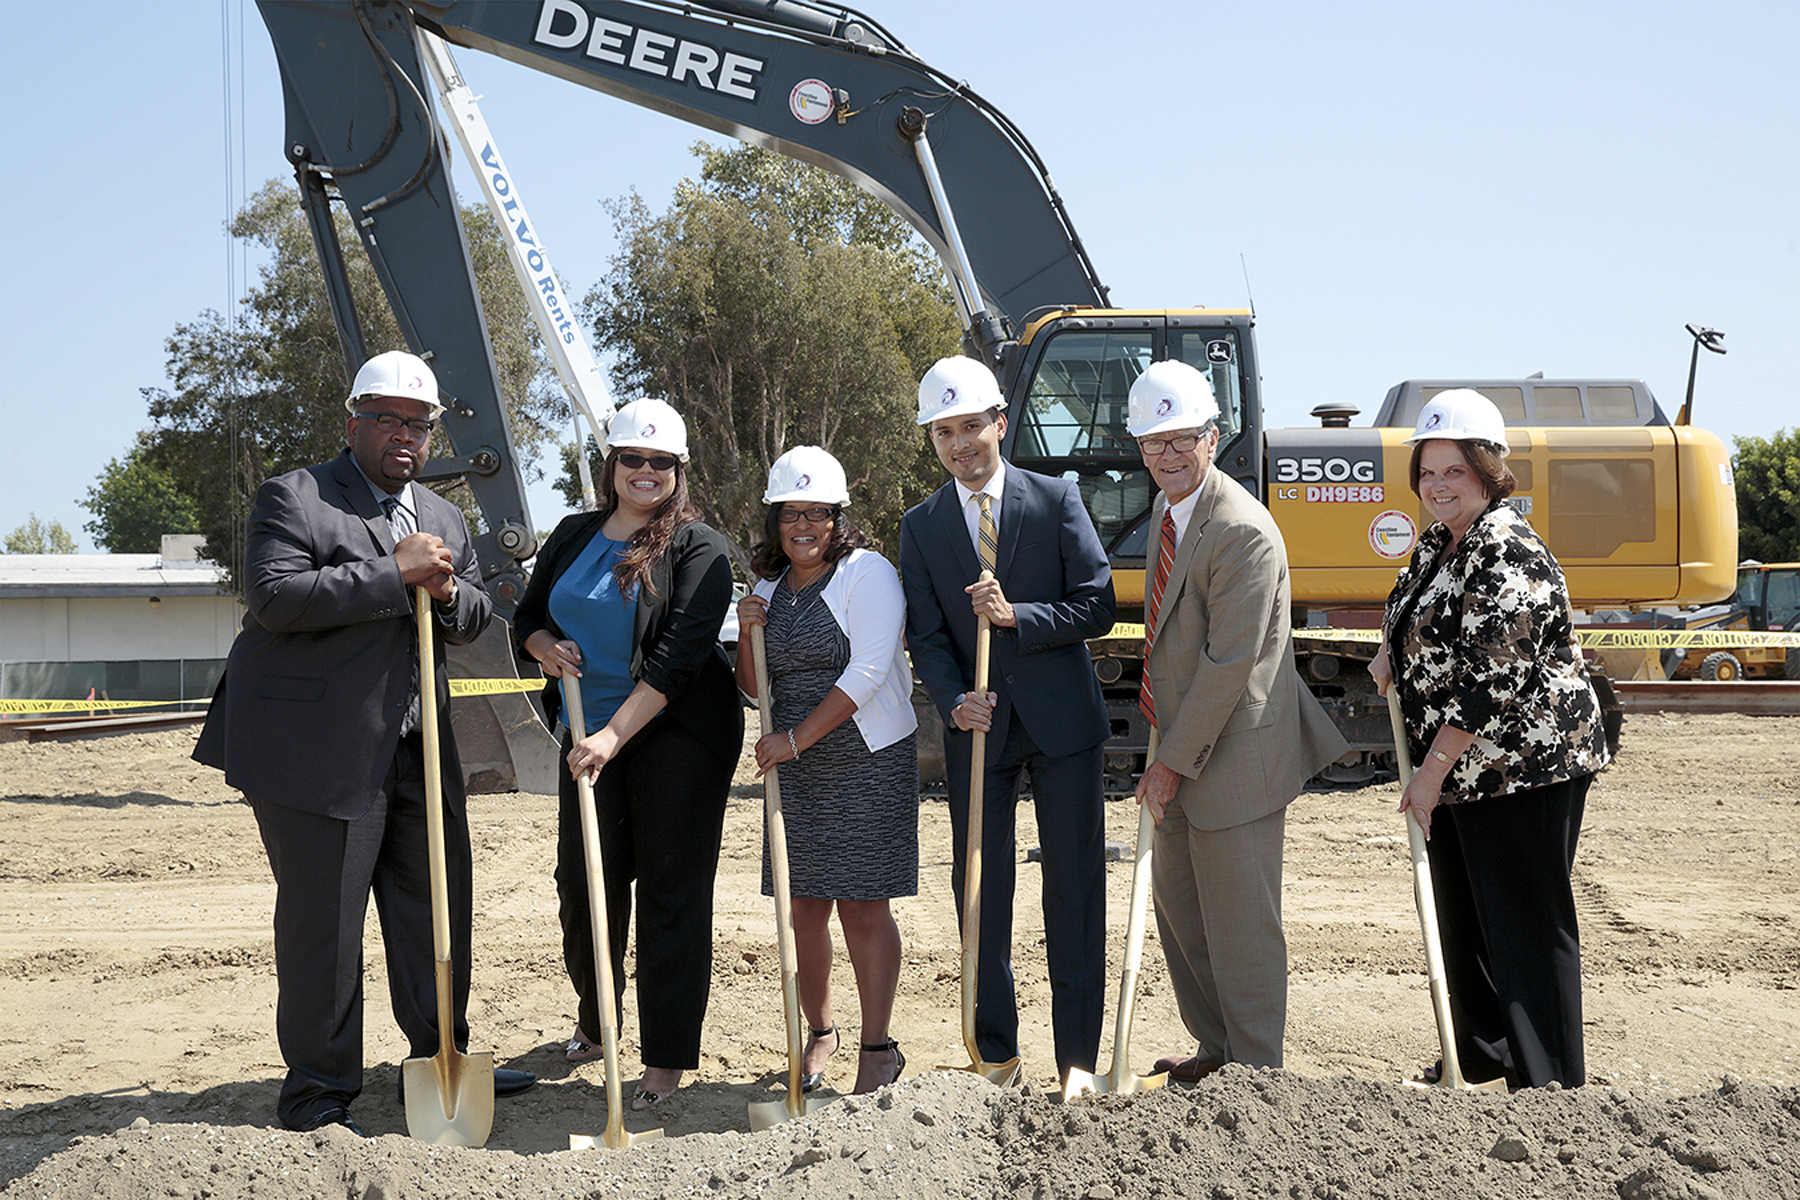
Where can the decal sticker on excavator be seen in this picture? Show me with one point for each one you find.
(565, 24)
(1218, 351)
(1392, 534)
(810, 101)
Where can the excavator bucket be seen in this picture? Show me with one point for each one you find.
(500, 736)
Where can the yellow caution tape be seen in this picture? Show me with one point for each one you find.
(493, 687)
(1592, 637)
(82, 706)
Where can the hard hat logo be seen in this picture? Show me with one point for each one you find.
(948, 398)
(1165, 406)
(804, 483)
(1433, 421)
(647, 431)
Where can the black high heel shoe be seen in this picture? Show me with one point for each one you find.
(811, 1082)
(883, 1047)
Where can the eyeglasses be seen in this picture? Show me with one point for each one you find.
(659, 462)
(1181, 443)
(818, 516)
(389, 423)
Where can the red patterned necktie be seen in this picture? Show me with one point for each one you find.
(1165, 558)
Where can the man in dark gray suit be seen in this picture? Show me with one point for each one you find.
(316, 722)
(1051, 591)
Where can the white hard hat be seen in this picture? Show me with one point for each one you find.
(395, 373)
(648, 425)
(1461, 414)
(1169, 395)
(807, 473)
(956, 386)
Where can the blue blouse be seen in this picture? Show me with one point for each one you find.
(590, 609)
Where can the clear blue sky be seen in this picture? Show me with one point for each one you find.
(1417, 190)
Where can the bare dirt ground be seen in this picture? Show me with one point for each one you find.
(137, 1054)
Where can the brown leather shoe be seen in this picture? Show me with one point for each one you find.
(1186, 1070)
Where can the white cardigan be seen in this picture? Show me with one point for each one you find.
(865, 599)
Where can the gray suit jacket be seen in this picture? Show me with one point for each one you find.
(1236, 721)
(317, 683)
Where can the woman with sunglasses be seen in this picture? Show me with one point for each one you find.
(629, 600)
(841, 697)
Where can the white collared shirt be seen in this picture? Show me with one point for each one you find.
(971, 507)
(1182, 511)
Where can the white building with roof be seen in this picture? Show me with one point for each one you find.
(125, 626)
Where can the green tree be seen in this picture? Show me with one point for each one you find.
(135, 502)
(1767, 471)
(264, 393)
(776, 305)
(40, 537)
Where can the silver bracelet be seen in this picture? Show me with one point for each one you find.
(793, 745)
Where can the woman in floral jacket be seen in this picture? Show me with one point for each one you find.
(1506, 729)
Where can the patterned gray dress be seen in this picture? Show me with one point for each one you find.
(852, 817)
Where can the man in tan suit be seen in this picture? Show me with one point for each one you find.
(1240, 735)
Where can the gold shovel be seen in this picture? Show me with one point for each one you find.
(1121, 1078)
(614, 1137)
(449, 1098)
(1426, 900)
(764, 1113)
(1003, 1073)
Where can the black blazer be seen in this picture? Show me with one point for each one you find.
(675, 643)
(317, 683)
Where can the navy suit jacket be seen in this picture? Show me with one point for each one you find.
(1055, 575)
(317, 683)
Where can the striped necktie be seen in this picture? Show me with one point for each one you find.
(398, 519)
(1165, 559)
(989, 536)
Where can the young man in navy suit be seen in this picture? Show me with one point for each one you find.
(1051, 590)
(316, 722)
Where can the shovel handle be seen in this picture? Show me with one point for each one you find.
(1425, 899)
(434, 820)
(778, 868)
(972, 852)
(597, 921)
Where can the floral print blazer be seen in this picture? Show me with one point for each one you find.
(1486, 643)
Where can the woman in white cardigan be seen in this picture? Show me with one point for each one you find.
(841, 693)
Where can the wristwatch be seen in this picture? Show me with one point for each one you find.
(1442, 757)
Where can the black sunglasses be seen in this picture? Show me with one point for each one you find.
(661, 462)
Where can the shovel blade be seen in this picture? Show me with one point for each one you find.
(450, 1098)
(1122, 1083)
(765, 1114)
(1002, 1074)
(612, 1139)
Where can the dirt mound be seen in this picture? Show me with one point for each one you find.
(1240, 1134)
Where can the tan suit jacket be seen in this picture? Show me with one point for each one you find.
(1245, 736)
(1236, 722)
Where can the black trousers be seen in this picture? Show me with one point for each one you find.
(1068, 793)
(1512, 950)
(325, 871)
(661, 808)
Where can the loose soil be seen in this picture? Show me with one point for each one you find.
(138, 1058)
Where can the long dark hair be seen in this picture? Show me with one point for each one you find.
(768, 559)
(649, 544)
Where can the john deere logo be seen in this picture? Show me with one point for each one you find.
(804, 483)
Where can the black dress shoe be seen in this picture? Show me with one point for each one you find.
(338, 1115)
(507, 1082)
